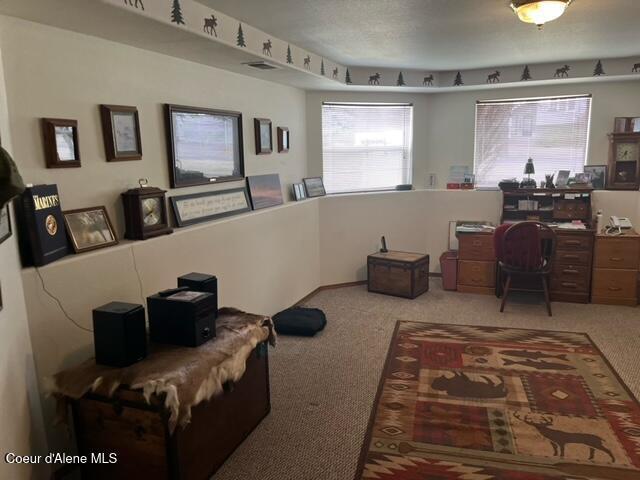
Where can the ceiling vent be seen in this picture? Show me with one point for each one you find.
(261, 65)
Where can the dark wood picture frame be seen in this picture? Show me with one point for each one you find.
(176, 181)
(299, 192)
(72, 235)
(49, 134)
(107, 113)
(589, 169)
(206, 218)
(261, 147)
(314, 187)
(5, 236)
(284, 139)
(265, 191)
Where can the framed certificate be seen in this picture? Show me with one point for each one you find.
(206, 206)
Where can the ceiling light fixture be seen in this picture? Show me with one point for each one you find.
(539, 11)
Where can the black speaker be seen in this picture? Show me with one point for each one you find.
(201, 282)
(119, 334)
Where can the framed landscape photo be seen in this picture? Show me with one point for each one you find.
(314, 187)
(283, 139)
(299, 192)
(61, 147)
(206, 206)
(89, 229)
(5, 224)
(205, 146)
(598, 175)
(121, 131)
(265, 191)
(264, 140)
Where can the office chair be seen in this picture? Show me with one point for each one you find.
(524, 249)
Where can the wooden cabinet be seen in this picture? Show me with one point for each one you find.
(401, 274)
(476, 263)
(137, 431)
(571, 272)
(615, 269)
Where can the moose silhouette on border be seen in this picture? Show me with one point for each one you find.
(266, 48)
(131, 4)
(374, 79)
(494, 77)
(210, 25)
(428, 81)
(636, 68)
(307, 62)
(334, 74)
(562, 72)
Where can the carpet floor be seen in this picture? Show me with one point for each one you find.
(323, 388)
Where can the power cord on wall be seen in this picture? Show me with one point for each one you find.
(135, 267)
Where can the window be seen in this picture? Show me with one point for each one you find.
(366, 147)
(552, 131)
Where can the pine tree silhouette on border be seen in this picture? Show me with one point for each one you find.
(347, 78)
(176, 13)
(289, 59)
(400, 82)
(598, 70)
(526, 74)
(240, 37)
(458, 81)
(322, 67)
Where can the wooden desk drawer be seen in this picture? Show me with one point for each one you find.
(574, 242)
(614, 283)
(617, 253)
(475, 247)
(578, 284)
(479, 274)
(570, 273)
(570, 257)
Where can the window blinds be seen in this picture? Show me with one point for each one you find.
(366, 146)
(552, 131)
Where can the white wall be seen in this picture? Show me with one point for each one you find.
(444, 123)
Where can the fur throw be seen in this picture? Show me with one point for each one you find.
(185, 376)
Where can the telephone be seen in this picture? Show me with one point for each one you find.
(616, 225)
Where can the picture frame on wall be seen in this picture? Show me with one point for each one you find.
(89, 228)
(205, 145)
(299, 192)
(207, 206)
(5, 224)
(598, 176)
(314, 187)
(121, 131)
(265, 191)
(61, 145)
(264, 138)
(283, 139)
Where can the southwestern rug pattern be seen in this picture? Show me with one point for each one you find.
(482, 403)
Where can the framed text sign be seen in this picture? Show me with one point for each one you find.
(202, 207)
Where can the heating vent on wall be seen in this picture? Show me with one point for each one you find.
(262, 65)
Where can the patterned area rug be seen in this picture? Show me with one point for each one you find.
(481, 403)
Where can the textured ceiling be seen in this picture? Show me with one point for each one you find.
(442, 34)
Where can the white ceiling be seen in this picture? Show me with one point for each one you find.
(442, 34)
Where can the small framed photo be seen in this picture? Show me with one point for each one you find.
(314, 187)
(89, 229)
(283, 139)
(635, 125)
(598, 175)
(299, 192)
(264, 140)
(61, 147)
(121, 130)
(5, 224)
(562, 178)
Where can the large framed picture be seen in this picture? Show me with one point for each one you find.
(121, 130)
(314, 187)
(61, 147)
(598, 175)
(283, 139)
(89, 229)
(203, 207)
(264, 140)
(5, 223)
(205, 146)
(265, 190)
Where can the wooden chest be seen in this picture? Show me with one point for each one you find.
(138, 433)
(401, 274)
(615, 269)
(476, 263)
(571, 273)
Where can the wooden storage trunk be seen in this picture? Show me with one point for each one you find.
(138, 433)
(401, 274)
